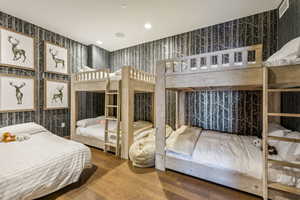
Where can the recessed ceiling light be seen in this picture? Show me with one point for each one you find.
(99, 42)
(148, 26)
(119, 34)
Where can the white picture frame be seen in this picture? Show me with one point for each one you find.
(17, 93)
(56, 94)
(56, 59)
(16, 49)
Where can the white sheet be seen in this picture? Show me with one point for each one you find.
(41, 165)
(97, 131)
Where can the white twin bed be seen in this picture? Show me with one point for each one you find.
(236, 153)
(40, 165)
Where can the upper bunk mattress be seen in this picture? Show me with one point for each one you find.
(40, 165)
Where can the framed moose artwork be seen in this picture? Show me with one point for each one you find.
(17, 93)
(16, 49)
(56, 94)
(56, 59)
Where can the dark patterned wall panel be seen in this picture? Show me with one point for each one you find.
(289, 26)
(51, 119)
(256, 29)
(228, 111)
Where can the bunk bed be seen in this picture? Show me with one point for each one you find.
(122, 85)
(235, 69)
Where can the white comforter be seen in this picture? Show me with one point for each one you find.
(228, 151)
(41, 165)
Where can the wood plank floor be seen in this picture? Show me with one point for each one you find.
(114, 179)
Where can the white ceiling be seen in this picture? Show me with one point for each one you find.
(87, 21)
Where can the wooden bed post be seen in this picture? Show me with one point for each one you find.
(153, 109)
(74, 113)
(160, 104)
(127, 112)
(180, 110)
(265, 132)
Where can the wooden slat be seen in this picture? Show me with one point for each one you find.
(110, 131)
(111, 106)
(112, 93)
(285, 90)
(284, 139)
(111, 118)
(110, 144)
(284, 188)
(284, 163)
(283, 115)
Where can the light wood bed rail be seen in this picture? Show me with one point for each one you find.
(190, 73)
(132, 81)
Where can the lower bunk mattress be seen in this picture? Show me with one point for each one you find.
(96, 131)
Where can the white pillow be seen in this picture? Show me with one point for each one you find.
(278, 131)
(21, 129)
(288, 54)
(89, 121)
(183, 140)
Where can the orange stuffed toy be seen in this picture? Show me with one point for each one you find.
(8, 137)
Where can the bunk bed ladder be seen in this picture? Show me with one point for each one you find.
(110, 115)
(266, 137)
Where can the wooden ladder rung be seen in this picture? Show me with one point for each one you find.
(111, 118)
(284, 163)
(110, 144)
(285, 90)
(283, 115)
(112, 93)
(112, 106)
(110, 131)
(284, 139)
(284, 188)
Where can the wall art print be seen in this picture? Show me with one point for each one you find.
(16, 49)
(56, 94)
(16, 93)
(56, 59)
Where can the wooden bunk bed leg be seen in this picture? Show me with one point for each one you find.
(180, 104)
(127, 112)
(160, 101)
(74, 110)
(265, 133)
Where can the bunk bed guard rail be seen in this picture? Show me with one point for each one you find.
(250, 56)
(103, 74)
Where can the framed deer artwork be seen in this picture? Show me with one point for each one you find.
(16, 49)
(56, 94)
(17, 93)
(56, 59)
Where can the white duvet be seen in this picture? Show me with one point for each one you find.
(41, 165)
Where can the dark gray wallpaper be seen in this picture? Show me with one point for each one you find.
(256, 29)
(289, 26)
(51, 119)
(228, 111)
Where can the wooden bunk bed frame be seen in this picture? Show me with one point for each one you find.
(132, 81)
(196, 72)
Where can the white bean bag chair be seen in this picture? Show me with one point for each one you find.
(142, 151)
